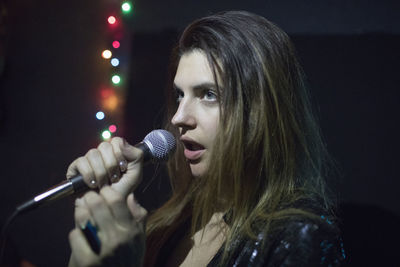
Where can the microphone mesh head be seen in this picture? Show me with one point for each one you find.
(161, 143)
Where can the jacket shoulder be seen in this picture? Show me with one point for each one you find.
(300, 242)
(305, 242)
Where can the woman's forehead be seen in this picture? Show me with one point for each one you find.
(196, 66)
(193, 68)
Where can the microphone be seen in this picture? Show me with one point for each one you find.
(156, 146)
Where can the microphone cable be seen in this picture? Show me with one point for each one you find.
(3, 238)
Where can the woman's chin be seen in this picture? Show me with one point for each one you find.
(198, 169)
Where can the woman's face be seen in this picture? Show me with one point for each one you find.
(197, 116)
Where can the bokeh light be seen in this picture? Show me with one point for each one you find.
(116, 44)
(100, 115)
(126, 7)
(106, 134)
(112, 128)
(106, 93)
(110, 103)
(112, 20)
(106, 54)
(115, 62)
(116, 79)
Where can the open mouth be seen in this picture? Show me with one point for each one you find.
(193, 151)
(192, 146)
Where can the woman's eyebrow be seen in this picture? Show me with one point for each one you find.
(205, 85)
(197, 87)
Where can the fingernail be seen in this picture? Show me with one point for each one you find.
(123, 165)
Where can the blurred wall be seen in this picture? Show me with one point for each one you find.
(47, 100)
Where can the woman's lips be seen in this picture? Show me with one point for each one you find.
(193, 154)
(193, 151)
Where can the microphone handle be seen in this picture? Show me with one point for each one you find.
(74, 185)
(71, 186)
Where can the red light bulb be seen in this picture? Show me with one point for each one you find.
(112, 20)
(116, 44)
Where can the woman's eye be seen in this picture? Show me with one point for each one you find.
(210, 95)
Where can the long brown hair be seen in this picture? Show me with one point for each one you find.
(268, 154)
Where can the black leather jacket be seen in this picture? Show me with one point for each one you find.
(300, 242)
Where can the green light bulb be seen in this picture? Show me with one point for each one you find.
(126, 7)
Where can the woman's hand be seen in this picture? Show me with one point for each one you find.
(114, 162)
(120, 229)
(113, 211)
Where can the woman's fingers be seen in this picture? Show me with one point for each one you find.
(106, 209)
(117, 227)
(133, 157)
(114, 162)
(82, 254)
(82, 213)
(100, 212)
(110, 160)
(120, 231)
(138, 212)
(115, 143)
(82, 166)
(96, 161)
(117, 204)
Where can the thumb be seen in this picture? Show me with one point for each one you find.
(132, 173)
(131, 154)
(138, 212)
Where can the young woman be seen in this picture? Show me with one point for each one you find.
(248, 172)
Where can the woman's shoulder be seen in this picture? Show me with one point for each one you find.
(304, 242)
(296, 241)
(311, 239)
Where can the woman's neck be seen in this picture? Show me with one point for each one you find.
(199, 249)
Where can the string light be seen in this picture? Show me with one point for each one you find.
(111, 20)
(106, 54)
(112, 97)
(116, 79)
(106, 93)
(115, 62)
(100, 115)
(112, 128)
(126, 7)
(116, 44)
(110, 103)
(106, 134)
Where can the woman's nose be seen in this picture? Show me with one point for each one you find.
(184, 116)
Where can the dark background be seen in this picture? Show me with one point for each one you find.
(350, 53)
